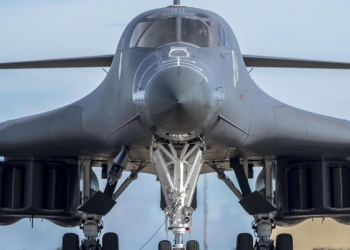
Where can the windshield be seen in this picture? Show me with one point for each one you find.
(196, 32)
(219, 32)
(138, 31)
(163, 31)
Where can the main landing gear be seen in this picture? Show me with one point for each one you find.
(110, 241)
(97, 204)
(258, 204)
(178, 165)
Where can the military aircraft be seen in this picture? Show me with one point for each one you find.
(177, 101)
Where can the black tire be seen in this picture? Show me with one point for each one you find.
(70, 241)
(164, 245)
(244, 242)
(192, 245)
(110, 241)
(284, 242)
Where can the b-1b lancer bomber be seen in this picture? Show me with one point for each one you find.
(177, 102)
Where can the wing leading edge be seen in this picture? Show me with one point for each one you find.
(106, 61)
(77, 62)
(279, 62)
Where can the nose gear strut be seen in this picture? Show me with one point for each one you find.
(178, 165)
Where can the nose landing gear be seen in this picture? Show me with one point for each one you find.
(178, 165)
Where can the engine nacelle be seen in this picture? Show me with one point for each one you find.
(312, 189)
(39, 189)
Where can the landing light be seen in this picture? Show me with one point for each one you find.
(2, 159)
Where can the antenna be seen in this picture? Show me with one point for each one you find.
(176, 2)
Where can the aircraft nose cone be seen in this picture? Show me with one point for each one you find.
(178, 100)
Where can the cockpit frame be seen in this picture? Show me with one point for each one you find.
(159, 29)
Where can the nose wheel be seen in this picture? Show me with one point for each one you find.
(192, 245)
(164, 245)
(178, 164)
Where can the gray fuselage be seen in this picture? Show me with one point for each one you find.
(178, 90)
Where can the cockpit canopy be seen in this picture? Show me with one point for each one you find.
(154, 34)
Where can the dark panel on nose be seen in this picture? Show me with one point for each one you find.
(178, 99)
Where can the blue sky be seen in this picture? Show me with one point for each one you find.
(40, 29)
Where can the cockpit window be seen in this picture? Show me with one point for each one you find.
(161, 32)
(196, 32)
(164, 31)
(219, 32)
(138, 31)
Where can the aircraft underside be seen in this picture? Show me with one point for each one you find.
(288, 191)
